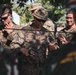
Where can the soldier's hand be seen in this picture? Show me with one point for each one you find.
(63, 40)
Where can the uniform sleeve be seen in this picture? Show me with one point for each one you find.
(52, 42)
(18, 40)
(49, 25)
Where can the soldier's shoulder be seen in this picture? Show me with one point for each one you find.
(74, 30)
(30, 23)
(16, 26)
(26, 27)
(49, 21)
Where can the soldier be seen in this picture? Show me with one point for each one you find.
(49, 25)
(10, 36)
(37, 41)
(62, 61)
(64, 35)
(34, 7)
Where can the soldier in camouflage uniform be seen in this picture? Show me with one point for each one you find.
(63, 61)
(10, 36)
(34, 7)
(64, 35)
(49, 25)
(37, 41)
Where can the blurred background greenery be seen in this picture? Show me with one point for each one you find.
(55, 8)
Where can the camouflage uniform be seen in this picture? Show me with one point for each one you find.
(12, 40)
(49, 25)
(64, 58)
(36, 44)
(10, 37)
(65, 33)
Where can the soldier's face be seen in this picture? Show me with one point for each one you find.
(6, 18)
(70, 19)
(37, 22)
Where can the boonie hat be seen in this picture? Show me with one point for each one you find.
(41, 14)
(36, 6)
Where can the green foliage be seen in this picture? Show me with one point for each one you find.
(5, 1)
(54, 12)
(58, 13)
(25, 14)
(55, 9)
(28, 15)
(23, 18)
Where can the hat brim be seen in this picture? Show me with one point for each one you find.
(36, 8)
(39, 17)
(33, 9)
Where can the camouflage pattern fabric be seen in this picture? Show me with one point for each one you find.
(65, 33)
(36, 43)
(49, 25)
(12, 40)
(64, 58)
(10, 46)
